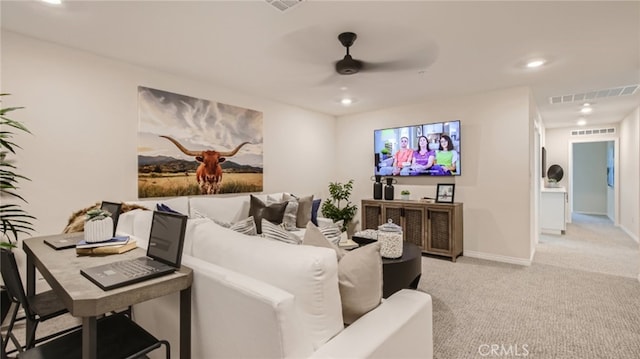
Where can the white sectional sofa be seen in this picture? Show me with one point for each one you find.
(258, 298)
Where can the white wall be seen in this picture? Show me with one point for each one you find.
(82, 110)
(496, 181)
(590, 177)
(629, 172)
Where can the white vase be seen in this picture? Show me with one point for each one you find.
(98, 231)
(405, 196)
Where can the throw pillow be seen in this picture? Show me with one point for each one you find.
(360, 281)
(332, 232)
(304, 209)
(277, 232)
(359, 275)
(315, 205)
(273, 213)
(161, 207)
(314, 237)
(246, 226)
(290, 213)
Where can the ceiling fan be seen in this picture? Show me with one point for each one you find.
(349, 66)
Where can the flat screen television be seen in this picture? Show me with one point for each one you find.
(430, 149)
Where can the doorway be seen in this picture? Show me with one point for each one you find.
(592, 181)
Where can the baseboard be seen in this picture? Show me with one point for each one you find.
(634, 237)
(498, 258)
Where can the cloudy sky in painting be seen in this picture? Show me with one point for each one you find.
(198, 125)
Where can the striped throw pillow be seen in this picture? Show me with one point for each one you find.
(277, 232)
(332, 232)
(246, 226)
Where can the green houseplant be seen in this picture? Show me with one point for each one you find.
(13, 219)
(405, 194)
(339, 207)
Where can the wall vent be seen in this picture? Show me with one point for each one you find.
(594, 131)
(283, 5)
(593, 95)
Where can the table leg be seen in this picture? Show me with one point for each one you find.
(31, 291)
(185, 323)
(89, 338)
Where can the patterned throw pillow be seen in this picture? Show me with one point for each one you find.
(246, 226)
(304, 208)
(290, 213)
(333, 232)
(277, 232)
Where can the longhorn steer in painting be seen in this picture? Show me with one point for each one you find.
(209, 173)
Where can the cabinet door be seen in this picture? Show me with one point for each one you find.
(371, 213)
(439, 231)
(393, 212)
(413, 226)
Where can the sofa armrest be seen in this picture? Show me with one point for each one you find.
(400, 327)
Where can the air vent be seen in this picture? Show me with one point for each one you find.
(594, 131)
(593, 95)
(283, 5)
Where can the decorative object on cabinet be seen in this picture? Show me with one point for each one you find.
(445, 192)
(434, 227)
(377, 187)
(388, 189)
(405, 194)
(333, 208)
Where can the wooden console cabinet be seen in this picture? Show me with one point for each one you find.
(434, 227)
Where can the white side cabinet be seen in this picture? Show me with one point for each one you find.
(553, 204)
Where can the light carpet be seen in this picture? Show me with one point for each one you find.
(579, 299)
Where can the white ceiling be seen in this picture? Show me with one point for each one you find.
(450, 48)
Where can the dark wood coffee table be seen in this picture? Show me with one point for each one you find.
(403, 272)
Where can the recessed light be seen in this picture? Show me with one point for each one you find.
(346, 101)
(54, 2)
(582, 122)
(586, 104)
(532, 64)
(586, 110)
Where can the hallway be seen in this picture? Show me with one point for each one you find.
(591, 243)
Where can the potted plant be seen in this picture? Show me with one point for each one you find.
(338, 207)
(13, 219)
(405, 194)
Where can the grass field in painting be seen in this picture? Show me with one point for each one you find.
(172, 184)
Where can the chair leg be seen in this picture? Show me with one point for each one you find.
(31, 336)
(10, 335)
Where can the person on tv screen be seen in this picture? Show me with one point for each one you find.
(403, 157)
(423, 158)
(447, 156)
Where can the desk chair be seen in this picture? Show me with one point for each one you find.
(118, 337)
(37, 308)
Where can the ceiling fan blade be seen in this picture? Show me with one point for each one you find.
(418, 60)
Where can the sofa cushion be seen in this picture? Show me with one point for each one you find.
(309, 273)
(359, 274)
(272, 213)
(223, 209)
(178, 204)
(278, 233)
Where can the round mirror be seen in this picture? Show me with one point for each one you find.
(555, 172)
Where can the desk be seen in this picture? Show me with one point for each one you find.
(61, 269)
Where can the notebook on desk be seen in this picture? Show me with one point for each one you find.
(69, 240)
(164, 255)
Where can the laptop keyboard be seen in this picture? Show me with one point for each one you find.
(133, 269)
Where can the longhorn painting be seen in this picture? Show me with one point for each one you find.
(189, 146)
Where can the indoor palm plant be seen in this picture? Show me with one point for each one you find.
(13, 219)
(338, 207)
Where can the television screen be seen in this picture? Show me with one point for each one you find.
(431, 149)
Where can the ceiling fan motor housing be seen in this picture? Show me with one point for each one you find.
(348, 66)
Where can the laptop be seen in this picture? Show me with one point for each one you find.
(164, 255)
(69, 240)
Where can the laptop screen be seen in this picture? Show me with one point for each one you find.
(167, 238)
(114, 209)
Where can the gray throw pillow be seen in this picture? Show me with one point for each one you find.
(304, 209)
(272, 213)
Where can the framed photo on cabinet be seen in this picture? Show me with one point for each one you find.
(445, 192)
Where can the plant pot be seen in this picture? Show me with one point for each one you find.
(98, 231)
(405, 196)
